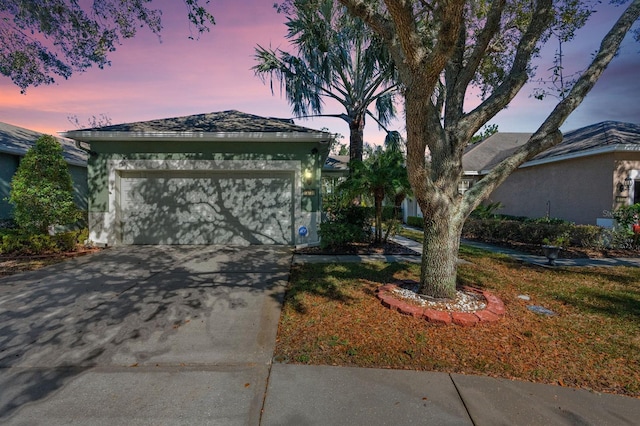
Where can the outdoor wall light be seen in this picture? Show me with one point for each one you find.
(624, 186)
(307, 177)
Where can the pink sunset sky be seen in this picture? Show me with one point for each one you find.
(149, 79)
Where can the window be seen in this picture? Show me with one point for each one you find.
(464, 185)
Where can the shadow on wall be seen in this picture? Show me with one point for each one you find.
(206, 208)
(127, 306)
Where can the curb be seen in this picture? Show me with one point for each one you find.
(493, 312)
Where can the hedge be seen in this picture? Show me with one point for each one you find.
(19, 242)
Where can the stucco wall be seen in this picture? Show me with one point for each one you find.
(8, 166)
(112, 157)
(627, 164)
(577, 190)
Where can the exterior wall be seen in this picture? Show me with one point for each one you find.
(579, 190)
(80, 189)
(627, 165)
(114, 157)
(8, 166)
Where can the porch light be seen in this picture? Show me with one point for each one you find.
(625, 186)
(307, 177)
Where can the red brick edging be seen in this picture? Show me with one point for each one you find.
(493, 311)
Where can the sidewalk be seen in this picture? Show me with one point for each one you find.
(417, 247)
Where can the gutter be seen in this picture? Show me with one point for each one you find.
(154, 136)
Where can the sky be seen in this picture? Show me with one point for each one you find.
(151, 79)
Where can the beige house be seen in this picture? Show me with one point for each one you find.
(594, 170)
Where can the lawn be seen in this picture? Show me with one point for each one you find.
(331, 316)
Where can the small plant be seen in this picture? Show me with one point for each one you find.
(487, 211)
(558, 241)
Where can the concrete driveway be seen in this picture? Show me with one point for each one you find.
(140, 334)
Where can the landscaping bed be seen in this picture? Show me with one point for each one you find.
(11, 264)
(359, 248)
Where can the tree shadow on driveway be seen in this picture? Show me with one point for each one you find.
(134, 306)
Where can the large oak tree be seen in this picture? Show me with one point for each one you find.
(442, 48)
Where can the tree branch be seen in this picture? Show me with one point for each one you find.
(548, 134)
(517, 77)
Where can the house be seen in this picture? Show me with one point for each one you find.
(594, 170)
(14, 144)
(218, 178)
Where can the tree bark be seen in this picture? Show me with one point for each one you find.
(356, 138)
(440, 256)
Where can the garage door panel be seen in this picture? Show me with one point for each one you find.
(183, 208)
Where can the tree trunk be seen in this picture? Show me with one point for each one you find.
(356, 138)
(378, 208)
(440, 256)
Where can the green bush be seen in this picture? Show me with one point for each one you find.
(41, 189)
(534, 231)
(336, 234)
(415, 221)
(19, 242)
(344, 225)
(391, 212)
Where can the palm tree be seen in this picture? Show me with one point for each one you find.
(381, 175)
(337, 58)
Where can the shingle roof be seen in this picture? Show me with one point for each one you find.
(17, 141)
(608, 134)
(488, 153)
(336, 164)
(224, 121)
(605, 134)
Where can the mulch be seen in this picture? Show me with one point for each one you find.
(360, 249)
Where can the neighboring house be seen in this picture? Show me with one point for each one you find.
(218, 178)
(15, 142)
(594, 170)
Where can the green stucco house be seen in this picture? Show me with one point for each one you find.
(219, 178)
(15, 142)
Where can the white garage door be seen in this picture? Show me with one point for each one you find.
(204, 207)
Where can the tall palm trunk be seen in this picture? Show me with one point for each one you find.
(356, 137)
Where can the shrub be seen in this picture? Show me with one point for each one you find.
(41, 188)
(345, 225)
(19, 242)
(415, 221)
(336, 234)
(535, 231)
(391, 212)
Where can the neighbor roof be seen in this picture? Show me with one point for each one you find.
(17, 141)
(599, 138)
(336, 165)
(487, 154)
(608, 134)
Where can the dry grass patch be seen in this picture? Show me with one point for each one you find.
(331, 316)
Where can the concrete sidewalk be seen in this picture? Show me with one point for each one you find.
(324, 395)
(417, 247)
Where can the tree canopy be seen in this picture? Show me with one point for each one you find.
(336, 57)
(441, 50)
(45, 39)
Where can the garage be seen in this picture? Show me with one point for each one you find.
(216, 178)
(205, 207)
